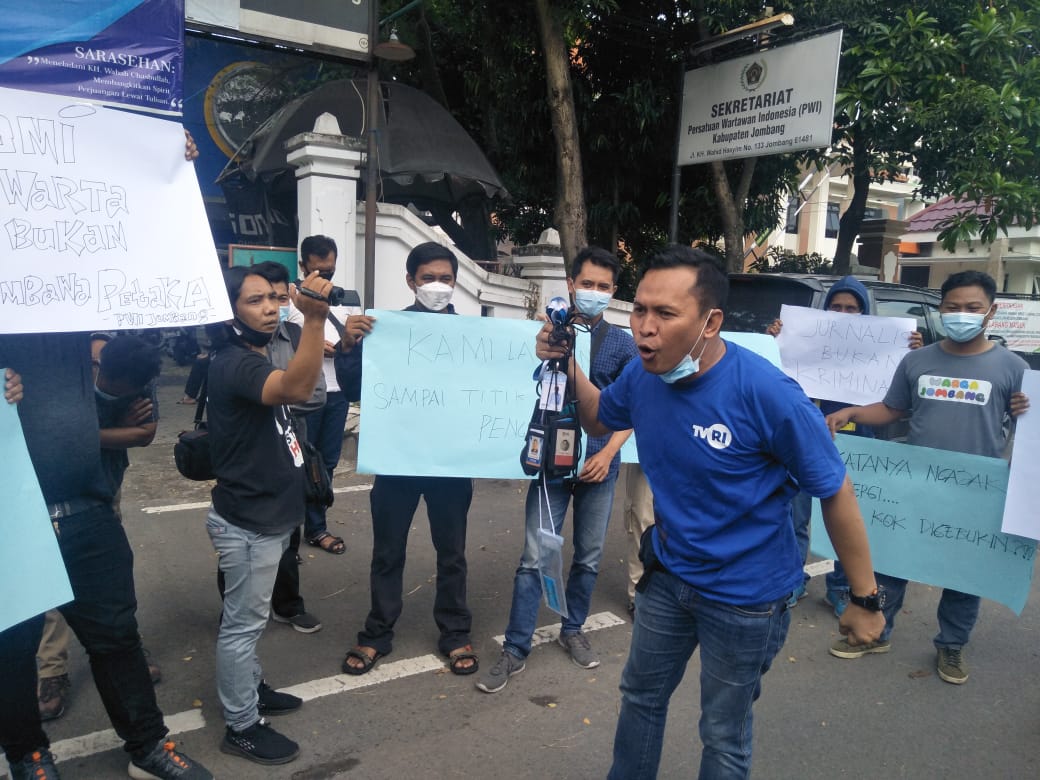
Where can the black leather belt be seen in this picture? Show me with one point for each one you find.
(72, 507)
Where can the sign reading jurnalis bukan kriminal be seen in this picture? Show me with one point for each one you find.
(770, 102)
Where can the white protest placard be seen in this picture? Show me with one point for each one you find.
(102, 225)
(769, 102)
(842, 357)
(1023, 496)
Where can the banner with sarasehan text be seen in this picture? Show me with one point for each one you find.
(115, 52)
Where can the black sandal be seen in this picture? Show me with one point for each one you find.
(367, 661)
(329, 543)
(464, 653)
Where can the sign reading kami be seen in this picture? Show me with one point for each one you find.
(32, 573)
(1020, 515)
(842, 357)
(446, 396)
(102, 225)
(933, 516)
(770, 102)
(452, 396)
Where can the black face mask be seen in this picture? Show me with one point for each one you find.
(255, 338)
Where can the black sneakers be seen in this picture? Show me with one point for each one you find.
(272, 702)
(260, 743)
(38, 765)
(166, 763)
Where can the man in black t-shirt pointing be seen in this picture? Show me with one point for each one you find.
(258, 499)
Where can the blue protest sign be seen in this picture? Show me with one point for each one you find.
(32, 573)
(934, 516)
(118, 52)
(446, 396)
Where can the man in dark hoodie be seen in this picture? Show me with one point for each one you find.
(846, 296)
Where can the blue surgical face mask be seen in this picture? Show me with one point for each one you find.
(962, 327)
(591, 302)
(687, 366)
(283, 313)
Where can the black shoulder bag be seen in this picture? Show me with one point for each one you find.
(191, 452)
(317, 486)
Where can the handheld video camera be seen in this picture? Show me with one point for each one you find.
(552, 446)
(338, 296)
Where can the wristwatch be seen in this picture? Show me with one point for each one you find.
(874, 602)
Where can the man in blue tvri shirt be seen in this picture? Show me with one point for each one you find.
(725, 440)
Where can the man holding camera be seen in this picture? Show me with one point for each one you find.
(258, 498)
(325, 425)
(592, 283)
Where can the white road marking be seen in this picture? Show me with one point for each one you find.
(158, 510)
(819, 567)
(595, 622)
(191, 720)
(100, 741)
(384, 672)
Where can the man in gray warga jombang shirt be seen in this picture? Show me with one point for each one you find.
(960, 393)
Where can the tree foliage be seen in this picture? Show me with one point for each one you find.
(948, 86)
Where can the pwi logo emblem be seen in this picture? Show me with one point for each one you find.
(718, 435)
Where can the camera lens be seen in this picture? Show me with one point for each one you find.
(336, 296)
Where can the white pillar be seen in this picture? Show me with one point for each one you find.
(328, 165)
(542, 263)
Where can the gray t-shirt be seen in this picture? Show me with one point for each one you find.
(957, 402)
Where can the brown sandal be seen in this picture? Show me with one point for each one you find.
(329, 543)
(464, 653)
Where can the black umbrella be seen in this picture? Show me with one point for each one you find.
(425, 157)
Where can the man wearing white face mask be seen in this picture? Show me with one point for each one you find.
(926, 385)
(592, 283)
(431, 270)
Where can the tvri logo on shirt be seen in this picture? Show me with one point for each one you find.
(718, 435)
(943, 388)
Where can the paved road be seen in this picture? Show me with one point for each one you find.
(878, 717)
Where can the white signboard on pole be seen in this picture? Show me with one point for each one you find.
(102, 225)
(769, 102)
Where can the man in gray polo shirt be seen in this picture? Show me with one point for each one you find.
(960, 394)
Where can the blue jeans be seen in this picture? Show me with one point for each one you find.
(737, 644)
(837, 583)
(325, 432)
(100, 565)
(801, 516)
(249, 563)
(593, 502)
(957, 612)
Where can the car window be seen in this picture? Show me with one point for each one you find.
(916, 310)
(754, 303)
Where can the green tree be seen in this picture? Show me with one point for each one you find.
(948, 87)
